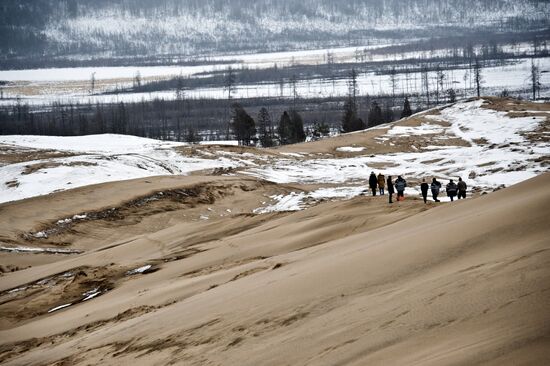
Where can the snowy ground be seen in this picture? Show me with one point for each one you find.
(44, 87)
(253, 61)
(98, 159)
(499, 153)
(506, 157)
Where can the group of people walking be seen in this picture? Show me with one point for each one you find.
(378, 184)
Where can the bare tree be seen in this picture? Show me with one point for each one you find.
(394, 80)
(137, 80)
(92, 83)
(230, 79)
(293, 81)
(535, 79)
(478, 77)
(440, 75)
(426, 84)
(180, 88)
(352, 85)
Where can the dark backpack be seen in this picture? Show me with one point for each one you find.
(400, 184)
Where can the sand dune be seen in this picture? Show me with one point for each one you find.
(278, 257)
(457, 284)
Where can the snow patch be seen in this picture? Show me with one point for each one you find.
(22, 249)
(59, 308)
(350, 149)
(139, 270)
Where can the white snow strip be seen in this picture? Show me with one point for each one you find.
(19, 289)
(59, 308)
(91, 294)
(423, 129)
(20, 249)
(107, 143)
(297, 201)
(295, 155)
(139, 270)
(350, 149)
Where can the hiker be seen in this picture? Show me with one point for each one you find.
(424, 189)
(451, 190)
(390, 188)
(435, 186)
(462, 187)
(381, 183)
(400, 185)
(373, 183)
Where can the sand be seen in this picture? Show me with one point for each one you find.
(179, 271)
(355, 282)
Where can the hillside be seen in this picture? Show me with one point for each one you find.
(350, 282)
(491, 143)
(117, 250)
(82, 29)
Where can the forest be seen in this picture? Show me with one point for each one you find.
(105, 31)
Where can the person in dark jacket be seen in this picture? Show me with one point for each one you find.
(424, 189)
(373, 183)
(391, 190)
(400, 185)
(381, 183)
(436, 187)
(462, 187)
(451, 190)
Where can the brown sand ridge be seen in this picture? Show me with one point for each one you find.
(355, 282)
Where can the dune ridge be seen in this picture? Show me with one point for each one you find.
(457, 284)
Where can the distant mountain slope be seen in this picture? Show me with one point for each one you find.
(105, 28)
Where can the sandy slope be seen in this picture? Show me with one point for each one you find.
(355, 282)
(181, 270)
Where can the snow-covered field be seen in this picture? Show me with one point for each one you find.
(46, 86)
(97, 159)
(253, 61)
(499, 153)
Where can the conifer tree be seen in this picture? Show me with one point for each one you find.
(291, 128)
(375, 115)
(350, 121)
(265, 128)
(388, 114)
(285, 129)
(243, 125)
(407, 111)
(298, 127)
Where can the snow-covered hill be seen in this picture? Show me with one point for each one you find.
(490, 143)
(105, 28)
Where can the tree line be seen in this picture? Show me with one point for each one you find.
(193, 120)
